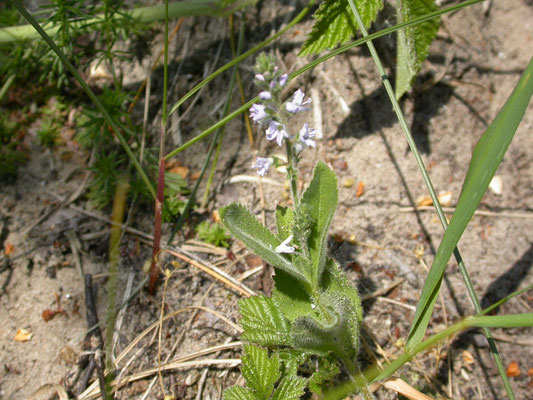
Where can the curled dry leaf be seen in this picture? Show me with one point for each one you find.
(8, 249)
(23, 335)
(513, 369)
(468, 358)
(360, 189)
(403, 388)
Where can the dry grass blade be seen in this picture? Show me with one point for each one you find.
(212, 270)
(403, 388)
(171, 315)
(93, 391)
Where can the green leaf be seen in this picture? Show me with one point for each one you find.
(327, 370)
(260, 371)
(503, 321)
(290, 297)
(413, 42)
(486, 158)
(284, 221)
(263, 323)
(245, 227)
(320, 202)
(239, 393)
(290, 388)
(336, 24)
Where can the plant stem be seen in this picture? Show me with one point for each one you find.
(292, 174)
(177, 9)
(433, 195)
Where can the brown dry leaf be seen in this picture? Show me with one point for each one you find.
(360, 189)
(468, 358)
(8, 248)
(195, 175)
(530, 372)
(48, 314)
(402, 387)
(215, 216)
(513, 369)
(23, 335)
(180, 170)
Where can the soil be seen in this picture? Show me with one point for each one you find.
(376, 236)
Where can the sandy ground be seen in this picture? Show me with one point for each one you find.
(378, 239)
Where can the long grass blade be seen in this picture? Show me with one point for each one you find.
(486, 158)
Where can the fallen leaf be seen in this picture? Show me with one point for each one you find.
(8, 248)
(530, 372)
(360, 189)
(23, 335)
(513, 369)
(195, 175)
(403, 388)
(48, 314)
(180, 170)
(468, 358)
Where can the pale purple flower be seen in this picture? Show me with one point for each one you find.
(284, 246)
(257, 112)
(281, 81)
(276, 131)
(262, 165)
(306, 136)
(260, 77)
(297, 103)
(265, 95)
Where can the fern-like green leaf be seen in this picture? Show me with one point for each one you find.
(290, 388)
(327, 370)
(239, 393)
(335, 24)
(413, 42)
(245, 227)
(263, 323)
(260, 371)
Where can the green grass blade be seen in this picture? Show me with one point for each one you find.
(486, 158)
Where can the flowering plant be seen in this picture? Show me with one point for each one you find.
(313, 317)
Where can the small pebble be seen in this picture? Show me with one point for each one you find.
(348, 182)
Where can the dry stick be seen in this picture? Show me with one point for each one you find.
(94, 336)
(89, 391)
(211, 270)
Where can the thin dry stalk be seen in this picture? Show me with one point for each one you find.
(211, 270)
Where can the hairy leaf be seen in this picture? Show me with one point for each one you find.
(263, 323)
(320, 202)
(290, 388)
(245, 227)
(260, 371)
(326, 371)
(292, 299)
(284, 221)
(239, 393)
(335, 24)
(413, 42)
